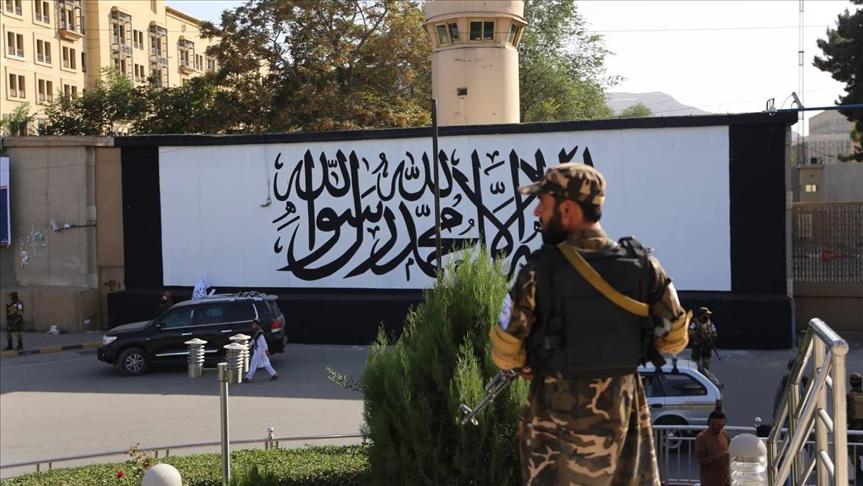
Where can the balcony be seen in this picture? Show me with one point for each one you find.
(70, 31)
(186, 67)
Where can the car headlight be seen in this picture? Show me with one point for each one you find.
(106, 340)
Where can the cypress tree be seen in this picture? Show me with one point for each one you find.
(413, 387)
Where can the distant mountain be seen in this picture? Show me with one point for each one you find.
(661, 104)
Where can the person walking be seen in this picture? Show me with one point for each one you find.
(260, 354)
(14, 321)
(711, 449)
(584, 312)
(703, 336)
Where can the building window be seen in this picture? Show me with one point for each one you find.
(46, 91)
(69, 61)
(811, 188)
(186, 51)
(16, 86)
(83, 62)
(140, 73)
(70, 91)
(514, 35)
(211, 64)
(453, 31)
(442, 35)
(137, 39)
(199, 62)
(69, 16)
(41, 11)
(14, 45)
(481, 30)
(14, 7)
(43, 51)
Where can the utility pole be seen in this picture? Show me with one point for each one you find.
(800, 69)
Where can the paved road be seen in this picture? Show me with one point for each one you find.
(70, 403)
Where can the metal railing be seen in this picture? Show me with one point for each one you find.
(678, 465)
(270, 442)
(798, 413)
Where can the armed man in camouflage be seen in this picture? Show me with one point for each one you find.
(587, 421)
(14, 321)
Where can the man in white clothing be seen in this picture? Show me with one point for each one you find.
(260, 354)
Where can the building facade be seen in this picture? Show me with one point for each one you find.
(829, 138)
(53, 47)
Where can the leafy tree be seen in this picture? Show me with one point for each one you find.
(413, 388)
(638, 110)
(562, 66)
(843, 58)
(17, 122)
(328, 64)
(106, 108)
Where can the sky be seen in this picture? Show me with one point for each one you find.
(727, 56)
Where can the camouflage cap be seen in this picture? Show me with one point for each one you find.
(578, 182)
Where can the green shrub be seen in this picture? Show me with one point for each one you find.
(413, 388)
(327, 466)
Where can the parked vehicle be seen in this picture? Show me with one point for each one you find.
(681, 394)
(135, 347)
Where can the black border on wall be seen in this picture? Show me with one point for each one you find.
(757, 313)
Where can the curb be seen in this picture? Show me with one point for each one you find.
(49, 349)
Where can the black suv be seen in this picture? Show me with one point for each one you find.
(214, 318)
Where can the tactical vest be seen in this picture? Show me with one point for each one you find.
(579, 332)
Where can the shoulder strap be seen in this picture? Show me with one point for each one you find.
(595, 279)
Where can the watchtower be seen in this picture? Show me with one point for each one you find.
(475, 60)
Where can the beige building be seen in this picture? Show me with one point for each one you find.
(829, 137)
(475, 60)
(59, 46)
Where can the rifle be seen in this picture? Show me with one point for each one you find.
(497, 384)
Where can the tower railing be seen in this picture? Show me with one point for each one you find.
(788, 455)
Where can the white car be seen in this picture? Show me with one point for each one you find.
(680, 394)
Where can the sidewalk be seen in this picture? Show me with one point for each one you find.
(40, 342)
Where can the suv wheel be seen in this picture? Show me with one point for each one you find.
(133, 361)
(672, 438)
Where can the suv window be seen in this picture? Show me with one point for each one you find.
(211, 314)
(681, 385)
(181, 317)
(241, 311)
(274, 308)
(651, 385)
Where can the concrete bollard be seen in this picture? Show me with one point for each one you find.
(244, 340)
(196, 357)
(234, 358)
(162, 475)
(748, 461)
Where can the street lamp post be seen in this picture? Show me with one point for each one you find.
(231, 371)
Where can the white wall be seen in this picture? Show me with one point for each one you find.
(668, 187)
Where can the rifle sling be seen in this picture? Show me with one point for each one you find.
(600, 284)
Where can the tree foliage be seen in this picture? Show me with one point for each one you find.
(413, 388)
(328, 64)
(562, 66)
(843, 58)
(105, 108)
(17, 122)
(638, 110)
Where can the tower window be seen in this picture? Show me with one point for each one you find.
(461, 91)
(442, 35)
(481, 30)
(514, 35)
(453, 31)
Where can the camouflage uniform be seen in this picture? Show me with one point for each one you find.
(703, 337)
(590, 431)
(14, 320)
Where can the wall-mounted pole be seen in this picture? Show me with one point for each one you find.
(436, 162)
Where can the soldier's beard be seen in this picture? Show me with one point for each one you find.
(553, 232)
